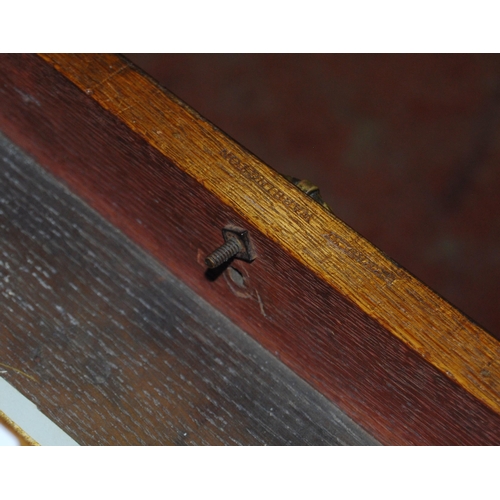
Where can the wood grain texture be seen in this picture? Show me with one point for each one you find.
(115, 350)
(398, 359)
(315, 238)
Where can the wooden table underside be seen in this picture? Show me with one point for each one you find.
(115, 350)
(398, 359)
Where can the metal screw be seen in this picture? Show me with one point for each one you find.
(224, 253)
(237, 244)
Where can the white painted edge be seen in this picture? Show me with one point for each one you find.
(7, 437)
(30, 419)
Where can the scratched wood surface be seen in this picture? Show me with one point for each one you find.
(398, 359)
(115, 350)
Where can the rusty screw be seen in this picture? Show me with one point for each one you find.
(223, 253)
(237, 244)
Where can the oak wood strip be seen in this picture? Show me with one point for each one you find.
(115, 350)
(339, 256)
(376, 378)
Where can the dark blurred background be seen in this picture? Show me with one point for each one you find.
(405, 148)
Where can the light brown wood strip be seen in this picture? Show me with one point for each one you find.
(398, 301)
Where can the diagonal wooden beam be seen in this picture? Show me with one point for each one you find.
(398, 358)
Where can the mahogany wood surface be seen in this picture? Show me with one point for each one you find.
(398, 359)
(115, 350)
